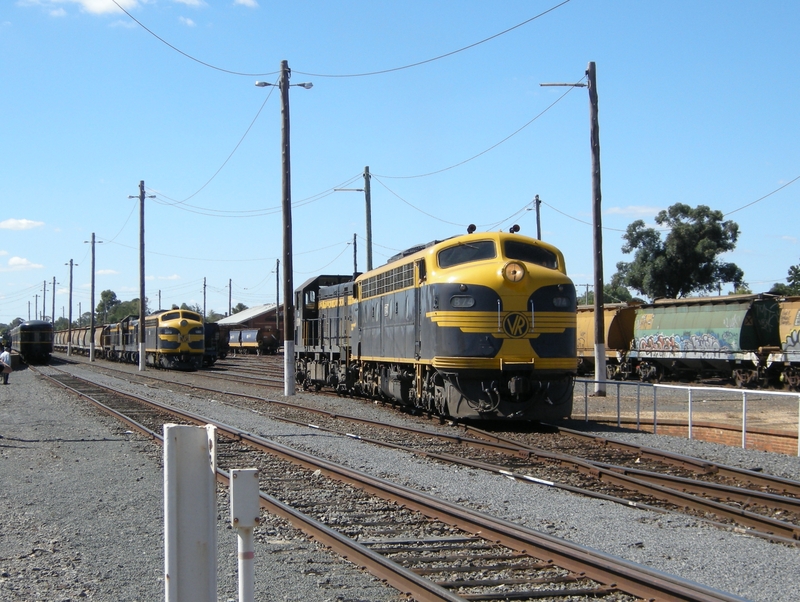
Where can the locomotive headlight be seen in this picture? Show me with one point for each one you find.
(561, 301)
(513, 271)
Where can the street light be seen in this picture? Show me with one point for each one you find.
(288, 289)
(594, 140)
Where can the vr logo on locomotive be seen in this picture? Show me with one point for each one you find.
(515, 325)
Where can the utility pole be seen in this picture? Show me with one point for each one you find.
(288, 307)
(44, 300)
(69, 326)
(538, 203)
(141, 272)
(277, 293)
(159, 299)
(368, 200)
(91, 320)
(204, 298)
(599, 320)
(355, 256)
(54, 301)
(230, 294)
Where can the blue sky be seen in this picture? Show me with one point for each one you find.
(698, 104)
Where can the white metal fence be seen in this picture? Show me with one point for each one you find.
(648, 394)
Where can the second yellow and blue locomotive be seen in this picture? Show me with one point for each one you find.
(174, 339)
(478, 326)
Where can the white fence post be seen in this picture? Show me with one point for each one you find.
(190, 513)
(245, 511)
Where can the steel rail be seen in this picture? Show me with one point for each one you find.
(606, 569)
(754, 478)
(402, 579)
(668, 490)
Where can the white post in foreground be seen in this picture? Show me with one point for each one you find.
(190, 513)
(244, 517)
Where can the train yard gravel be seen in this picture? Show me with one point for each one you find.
(82, 515)
(733, 562)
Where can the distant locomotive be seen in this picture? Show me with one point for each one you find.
(33, 340)
(478, 326)
(174, 339)
(752, 339)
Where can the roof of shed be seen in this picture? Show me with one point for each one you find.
(247, 314)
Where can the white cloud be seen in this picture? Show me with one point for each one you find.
(19, 224)
(18, 264)
(107, 272)
(95, 7)
(191, 2)
(632, 210)
(247, 3)
(186, 21)
(173, 277)
(3, 253)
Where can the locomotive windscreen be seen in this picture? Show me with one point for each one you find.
(467, 252)
(515, 249)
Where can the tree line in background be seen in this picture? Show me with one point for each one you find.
(683, 263)
(111, 310)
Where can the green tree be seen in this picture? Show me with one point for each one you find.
(214, 316)
(611, 294)
(792, 286)
(239, 307)
(686, 261)
(195, 307)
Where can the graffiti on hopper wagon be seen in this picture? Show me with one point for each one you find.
(793, 341)
(706, 342)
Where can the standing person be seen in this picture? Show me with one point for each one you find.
(5, 358)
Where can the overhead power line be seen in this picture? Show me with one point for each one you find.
(441, 56)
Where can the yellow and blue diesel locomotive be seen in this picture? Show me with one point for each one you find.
(478, 326)
(174, 339)
(33, 340)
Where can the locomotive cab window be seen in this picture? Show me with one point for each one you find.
(522, 251)
(466, 253)
(173, 315)
(190, 315)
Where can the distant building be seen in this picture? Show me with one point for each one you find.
(256, 317)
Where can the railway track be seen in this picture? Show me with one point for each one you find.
(747, 501)
(423, 546)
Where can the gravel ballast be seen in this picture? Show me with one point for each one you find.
(127, 525)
